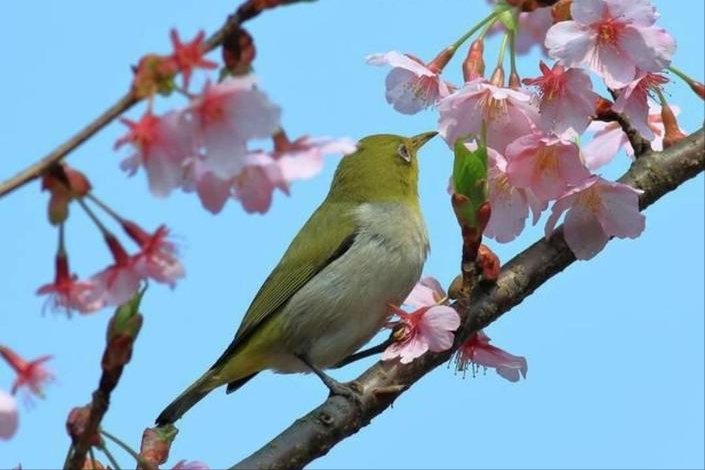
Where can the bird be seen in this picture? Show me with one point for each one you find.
(361, 250)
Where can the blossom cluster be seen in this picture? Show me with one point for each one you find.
(431, 327)
(532, 132)
(155, 258)
(206, 146)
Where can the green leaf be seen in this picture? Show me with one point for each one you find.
(127, 319)
(469, 181)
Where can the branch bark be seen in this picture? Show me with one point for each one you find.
(84, 422)
(314, 434)
(245, 12)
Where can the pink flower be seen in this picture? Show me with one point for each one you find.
(613, 37)
(545, 165)
(189, 56)
(32, 375)
(227, 115)
(254, 186)
(291, 161)
(508, 114)
(609, 138)
(67, 292)
(194, 465)
(212, 190)
(303, 158)
(427, 292)
(477, 351)
(8, 415)
(161, 144)
(633, 102)
(566, 99)
(119, 282)
(597, 210)
(115, 285)
(157, 258)
(532, 29)
(411, 85)
(509, 204)
(262, 172)
(426, 329)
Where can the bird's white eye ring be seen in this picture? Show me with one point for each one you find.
(403, 152)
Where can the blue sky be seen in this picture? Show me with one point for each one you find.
(615, 345)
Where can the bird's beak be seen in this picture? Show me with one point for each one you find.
(418, 140)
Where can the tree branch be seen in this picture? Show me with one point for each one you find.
(316, 433)
(84, 422)
(245, 12)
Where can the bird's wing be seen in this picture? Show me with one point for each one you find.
(326, 236)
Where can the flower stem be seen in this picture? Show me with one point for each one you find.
(680, 74)
(512, 52)
(123, 446)
(491, 18)
(502, 49)
(61, 249)
(109, 456)
(92, 457)
(68, 456)
(105, 208)
(93, 217)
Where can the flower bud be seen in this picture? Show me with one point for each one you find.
(474, 64)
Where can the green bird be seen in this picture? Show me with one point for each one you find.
(362, 249)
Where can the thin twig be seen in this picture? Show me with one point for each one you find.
(84, 423)
(246, 11)
(337, 418)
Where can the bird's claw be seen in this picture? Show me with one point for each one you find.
(351, 390)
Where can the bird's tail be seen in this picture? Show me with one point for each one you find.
(187, 399)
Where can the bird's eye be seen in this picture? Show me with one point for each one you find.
(403, 152)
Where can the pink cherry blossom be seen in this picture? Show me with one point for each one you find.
(120, 281)
(477, 351)
(157, 257)
(213, 191)
(411, 85)
(31, 375)
(510, 204)
(8, 415)
(266, 171)
(426, 329)
(303, 158)
(227, 115)
(162, 144)
(545, 165)
(615, 38)
(255, 185)
(508, 114)
(566, 99)
(189, 56)
(427, 292)
(193, 465)
(609, 138)
(597, 210)
(532, 29)
(633, 102)
(115, 285)
(67, 292)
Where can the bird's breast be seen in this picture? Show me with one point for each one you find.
(346, 304)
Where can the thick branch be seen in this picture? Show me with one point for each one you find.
(316, 433)
(246, 11)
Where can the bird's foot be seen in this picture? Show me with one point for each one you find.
(350, 390)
